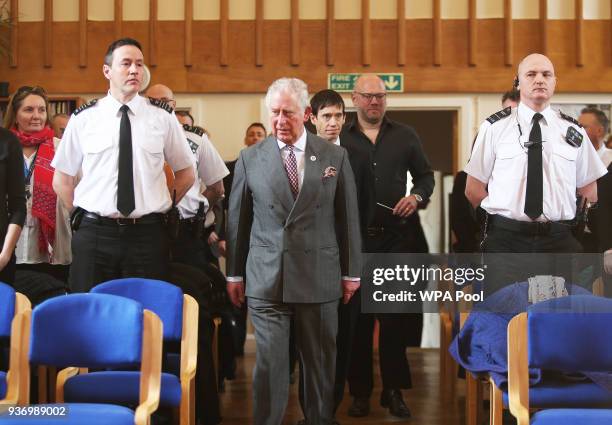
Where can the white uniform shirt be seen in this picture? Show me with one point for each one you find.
(91, 143)
(26, 251)
(499, 159)
(605, 154)
(209, 168)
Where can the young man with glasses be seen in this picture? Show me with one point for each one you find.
(393, 149)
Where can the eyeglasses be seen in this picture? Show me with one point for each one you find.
(370, 96)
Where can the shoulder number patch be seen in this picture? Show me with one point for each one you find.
(499, 115)
(570, 119)
(84, 106)
(194, 129)
(161, 104)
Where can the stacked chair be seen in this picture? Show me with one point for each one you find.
(87, 331)
(11, 305)
(179, 314)
(568, 335)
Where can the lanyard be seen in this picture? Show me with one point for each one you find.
(28, 171)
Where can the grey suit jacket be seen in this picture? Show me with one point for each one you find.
(293, 252)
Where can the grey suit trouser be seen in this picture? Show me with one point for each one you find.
(316, 326)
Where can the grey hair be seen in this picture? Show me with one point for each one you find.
(294, 86)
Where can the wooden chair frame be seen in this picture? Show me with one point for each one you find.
(18, 391)
(188, 365)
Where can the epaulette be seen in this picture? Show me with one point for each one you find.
(570, 119)
(84, 106)
(194, 129)
(161, 104)
(499, 115)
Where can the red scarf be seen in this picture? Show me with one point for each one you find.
(44, 200)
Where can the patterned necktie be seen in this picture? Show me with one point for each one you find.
(292, 171)
(125, 179)
(534, 192)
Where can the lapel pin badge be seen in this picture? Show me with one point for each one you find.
(313, 158)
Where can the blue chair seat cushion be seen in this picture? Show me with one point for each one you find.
(558, 392)
(119, 387)
(572, 417)
(77, 414)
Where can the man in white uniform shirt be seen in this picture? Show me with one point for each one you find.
(206, 190)
(119, 144)
(526, 168)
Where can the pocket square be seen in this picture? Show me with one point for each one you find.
(329, 172)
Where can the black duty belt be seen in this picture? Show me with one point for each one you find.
(153, 218)
(191, 220)
(531, 228)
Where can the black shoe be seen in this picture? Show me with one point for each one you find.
(394, 401)
(360, 407)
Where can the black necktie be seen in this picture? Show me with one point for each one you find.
(125, 180)
(533, 196)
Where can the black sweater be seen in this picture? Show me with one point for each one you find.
(12, 190)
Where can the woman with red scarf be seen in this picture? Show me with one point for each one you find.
(44, 245)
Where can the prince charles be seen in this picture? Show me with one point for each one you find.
(294, 248)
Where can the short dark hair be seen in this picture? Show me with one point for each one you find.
(185, 114)
(513, 95)
(257, 124)
(602, 119)
(326, 98)
(108, 57)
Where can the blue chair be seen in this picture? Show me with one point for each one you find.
(11, 304)
(570, 335)
(98, 331)
(179, 314)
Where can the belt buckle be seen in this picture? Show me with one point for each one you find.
(125, 221)
(544, 227)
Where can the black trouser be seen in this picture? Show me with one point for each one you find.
(192, 281)
(397, 331)
(7, 274)
(58, 271)
(189, 248)
(103, 251)
(503, 270)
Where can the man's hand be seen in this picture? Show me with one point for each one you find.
(608, 261)
(349, 287)
(213, 238)
(235, 291)
(405, 206)
(222, 245)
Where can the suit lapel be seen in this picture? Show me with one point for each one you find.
(273, 164)
(311, 185)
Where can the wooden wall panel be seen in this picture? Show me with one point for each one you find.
(241, 75)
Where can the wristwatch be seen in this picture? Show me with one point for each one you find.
(418, 197)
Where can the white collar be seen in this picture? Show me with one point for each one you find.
(525, 113)
(134, 104)
(299, 145)
(337, 141)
